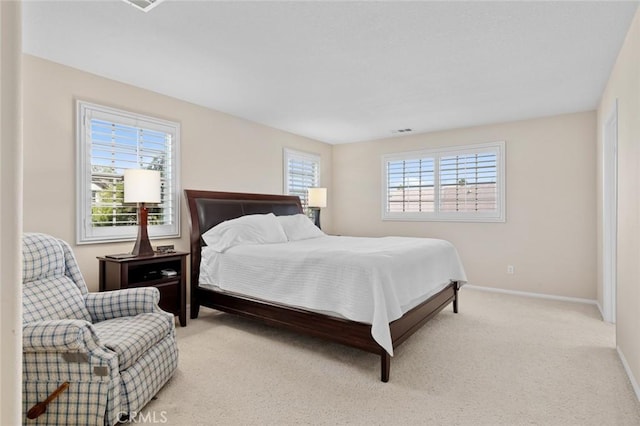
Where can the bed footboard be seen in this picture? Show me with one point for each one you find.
(411, 321)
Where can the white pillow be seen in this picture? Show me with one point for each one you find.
(250, 229)
(299, 227)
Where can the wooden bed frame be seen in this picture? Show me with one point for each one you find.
(208, 208)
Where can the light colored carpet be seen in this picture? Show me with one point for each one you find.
(503, 360)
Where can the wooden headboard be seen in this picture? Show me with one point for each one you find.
(209, 208)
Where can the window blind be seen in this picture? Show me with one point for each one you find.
(115, 148)
(464, 183)
(468, 182)
(410, 185)
(302, 171)
(112, 141)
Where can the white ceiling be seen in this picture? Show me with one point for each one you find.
(346, 71)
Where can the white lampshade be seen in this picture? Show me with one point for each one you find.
(141, 186)
(317, 197)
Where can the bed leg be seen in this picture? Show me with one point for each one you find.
(385, 364)
(195, 309)
(455, 297)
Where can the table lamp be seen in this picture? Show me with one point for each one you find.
(142, 186)
(317, 200)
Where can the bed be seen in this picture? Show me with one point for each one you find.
(208, 209)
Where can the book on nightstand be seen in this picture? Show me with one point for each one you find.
(168, 273)
(120, 256)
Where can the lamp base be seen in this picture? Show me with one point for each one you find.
(143, 245)
(316, 216)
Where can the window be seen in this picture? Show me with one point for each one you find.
(301, 171)
(462, 183)
(110, 141)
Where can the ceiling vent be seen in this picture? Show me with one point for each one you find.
(401, 131)
(143, 5)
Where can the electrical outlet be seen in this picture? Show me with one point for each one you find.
(510, 269)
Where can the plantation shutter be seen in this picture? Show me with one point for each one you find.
(410, 185)
(464, 183)
(302, 171)
(468, 182)
(115, 148)
(112, 141)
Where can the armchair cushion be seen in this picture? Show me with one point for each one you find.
(122, 303)
(53, 298)
(42, 256)
(130, 337)
(53, 288)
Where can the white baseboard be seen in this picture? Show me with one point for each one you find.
(634, 383)
(600, 309)
(528, 294)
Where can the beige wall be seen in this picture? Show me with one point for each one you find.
(550, 232)
(11, 212)
(545, 159)
(624, 84)
(218, 151)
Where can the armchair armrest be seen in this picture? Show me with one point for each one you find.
(122, 303)
(68, 335)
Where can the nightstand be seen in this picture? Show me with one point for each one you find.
(146, 271)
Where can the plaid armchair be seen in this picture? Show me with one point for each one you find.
(116, 349)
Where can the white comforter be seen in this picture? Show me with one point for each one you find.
(369, 280)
